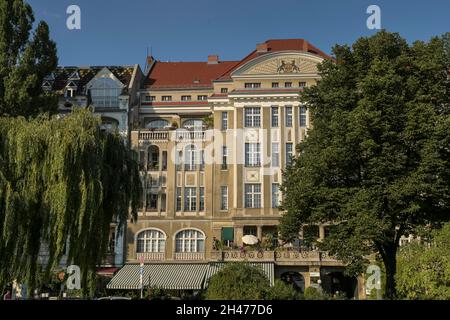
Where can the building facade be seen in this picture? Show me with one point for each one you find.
(213, 139)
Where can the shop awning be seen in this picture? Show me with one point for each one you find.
(169, 276)
(267, 268)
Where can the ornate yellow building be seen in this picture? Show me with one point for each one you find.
(213, 139)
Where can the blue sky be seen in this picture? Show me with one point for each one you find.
(118, 32)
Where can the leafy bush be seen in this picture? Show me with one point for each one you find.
(312, 293)
(282, 291)
(238, 281)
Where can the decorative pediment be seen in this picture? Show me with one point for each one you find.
(280, 64)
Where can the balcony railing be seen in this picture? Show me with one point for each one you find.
(189, 135)
(189, 256)
(153, 135)
(275, 256)
(151, 256)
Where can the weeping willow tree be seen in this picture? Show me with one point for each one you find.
(62, 182)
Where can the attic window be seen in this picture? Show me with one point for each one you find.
(70, 93)
(47, 86)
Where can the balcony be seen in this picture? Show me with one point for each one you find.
(189, 256)
(181, 135)
(151, 256)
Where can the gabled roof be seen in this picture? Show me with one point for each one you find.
(276, 46)
(62, 76)
(164, 75)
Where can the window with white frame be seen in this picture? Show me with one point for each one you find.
(194, 124)
(186, 98)
(179, 199)
(252, 116)
(201, 206)
(190, 241)
(157, 124)
(275, 154)
(224, 157)
(289, 153)
(166, 98)
(302, 113)
(253, 195)
(105, 93)
(302, 84)
(151, 240)
(191, 158)
(224, 120)
(223, 198)
(252, 154)
(190, 199)
(202, 98)
(275, 195)
(274, 116)
(252, 85)
(288, 84)
(288, 116)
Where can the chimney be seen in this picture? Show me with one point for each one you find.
(213, 59)
(305, 46)
(262, 47)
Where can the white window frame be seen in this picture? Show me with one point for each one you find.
(224, 198)
(252, 196)
(153, 240)
(252, 154)
(190, 240)
(252, 117)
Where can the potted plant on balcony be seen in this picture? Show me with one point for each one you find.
(174, 125)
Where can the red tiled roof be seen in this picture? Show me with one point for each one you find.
(275, 46)
(165, 75)
(185, 74)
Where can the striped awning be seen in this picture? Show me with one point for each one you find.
(266, 267)
(169, 276)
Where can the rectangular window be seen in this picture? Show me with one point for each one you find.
(202, 160)
(224, 120)
(302, 119)
(288, 116)
(224, 158)
(252, 155)
(190, 199)
(252, 117)
(275, 155)
(274, 116)
(275, 195)
(252, 195)
(289, 153)
(252, 85)
(166, 98)
(202, 98)
(224, 198)
(186, 98)
(179, 197)
(302, 84)
(275, 84)
(164, 161)
(150, 98)
(223, 90)
(201, 206)
(288, 84)
(152, 201)
(163, 202)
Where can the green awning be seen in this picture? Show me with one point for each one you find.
(228, 233)
(169, 276)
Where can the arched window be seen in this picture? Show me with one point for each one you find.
(150, 240)
(191, 157)
(190, 240)
(194, 124)
(157, 124)
(153, 158)
(105, 93)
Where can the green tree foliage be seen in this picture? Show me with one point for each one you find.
(282, 291)
(312, 293)
(377, 161)
(62, 180)
(238, 281)
(423, 270)
(25, 60)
